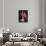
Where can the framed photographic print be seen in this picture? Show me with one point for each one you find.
(23, 15)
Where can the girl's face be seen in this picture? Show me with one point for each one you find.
(23, 14)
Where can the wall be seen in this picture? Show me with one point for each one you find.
(1, 15)
(34, 14)
(44, 18)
